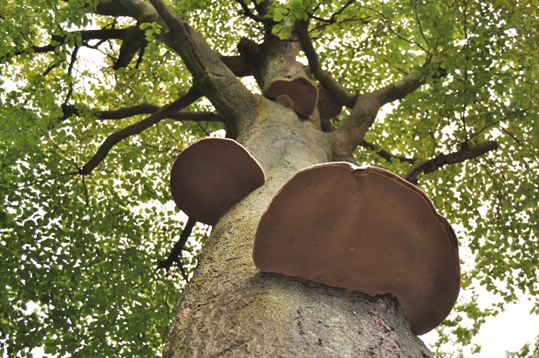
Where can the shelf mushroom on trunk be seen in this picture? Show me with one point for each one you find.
(297, 93)
(210, 175)
(328, 106)
(363, 229)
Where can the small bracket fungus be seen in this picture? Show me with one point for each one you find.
(328, 106)
(363, 230)
(210, 175)
(285, 101)
(301, 93)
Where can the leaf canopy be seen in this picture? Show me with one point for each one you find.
(79, 252)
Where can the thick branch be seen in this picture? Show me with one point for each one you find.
(132, 43)
(176, 251)
(137, 128)
(210, 75)
(354, 127)
(326, 79)
(103, 34)
(400, 89)
(226, 92)
(460, 156)
(140, 10)
(237, 65)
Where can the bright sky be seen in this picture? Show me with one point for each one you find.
(509, 331)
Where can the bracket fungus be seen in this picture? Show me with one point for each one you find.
(363, 229)
(328, 106)
(210, 175)
(302, 94)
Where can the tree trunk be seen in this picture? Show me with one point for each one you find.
(231, 309)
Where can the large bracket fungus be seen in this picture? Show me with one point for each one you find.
(297, 93)
(210, 175)
(363, 230)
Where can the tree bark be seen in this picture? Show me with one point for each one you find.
(230, 309)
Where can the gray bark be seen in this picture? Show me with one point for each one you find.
(230, 309)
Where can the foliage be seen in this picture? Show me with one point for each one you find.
(79, 252)
(526, 351)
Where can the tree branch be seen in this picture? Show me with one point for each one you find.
(400, 89)
(70, 73)
(333, 17)
(354, 127)
(176, 251)
(210, 75)
(247, 12)
(385, 154)
(140, 10)
(237, 65)
(145, 108)
(344, 97)
(396, 33)
(132, 43)
(133, 40)
(137, 128)
(364, 108)
(87, 35)
(460, 156)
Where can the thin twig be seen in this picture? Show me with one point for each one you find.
(247, 12)
(176, 251)
(335, 14)
(385, 154)
(70, 73)
(394, 32)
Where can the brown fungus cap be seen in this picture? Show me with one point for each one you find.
(302, 93)
(328, 106)
(285, 101)
(210, 175)
(363, 230)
